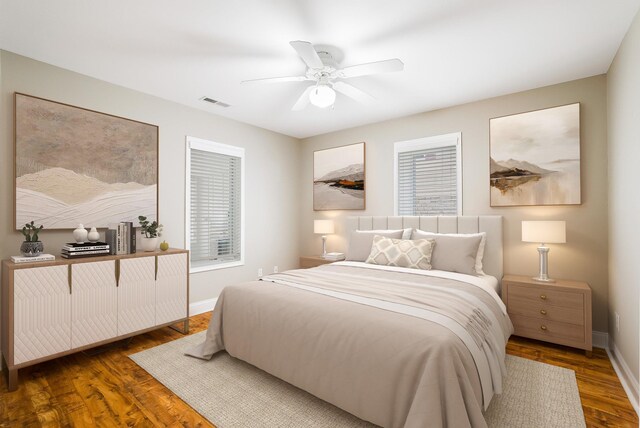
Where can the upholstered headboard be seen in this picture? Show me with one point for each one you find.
(492, 225)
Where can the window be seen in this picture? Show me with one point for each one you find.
(428, 176)
(215, 205)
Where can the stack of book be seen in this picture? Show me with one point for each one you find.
(73, 250)
(336, 257)
(121, 238)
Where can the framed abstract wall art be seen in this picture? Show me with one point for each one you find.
(74, 165)
(535, 157)
(339, 178)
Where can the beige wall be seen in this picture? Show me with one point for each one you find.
(623, 90)
(584, 257)
(271, 166)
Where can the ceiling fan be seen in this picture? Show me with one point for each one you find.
(323, 70)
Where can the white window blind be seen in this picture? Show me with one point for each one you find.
(428, 176)
(215, 216)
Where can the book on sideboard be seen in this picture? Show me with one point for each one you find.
(87, 246)
(40, 258)
(121, 238)
(78, 254)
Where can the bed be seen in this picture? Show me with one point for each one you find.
(394, 346)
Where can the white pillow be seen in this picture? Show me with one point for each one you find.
(479, 254)
(360, 241)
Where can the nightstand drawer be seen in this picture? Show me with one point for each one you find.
(546, 329)
(546, 295)
(543, 311)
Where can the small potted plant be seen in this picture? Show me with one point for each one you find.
(31, 246)
(150, 233)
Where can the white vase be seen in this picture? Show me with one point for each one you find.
(149, 244)
(94, 235)
(80, 234)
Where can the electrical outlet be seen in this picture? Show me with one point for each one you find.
(617, 322)
(259, 272)
(275, 269)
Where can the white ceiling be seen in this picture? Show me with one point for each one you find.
(454, 51)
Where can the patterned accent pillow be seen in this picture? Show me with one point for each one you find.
(414, 254)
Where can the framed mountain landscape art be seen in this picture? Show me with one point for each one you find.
(339, 178)
(535, 157)
(74, 165)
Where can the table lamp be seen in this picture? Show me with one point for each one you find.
(323, 227)
(544, 232)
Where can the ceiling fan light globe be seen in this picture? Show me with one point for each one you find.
(322, 96)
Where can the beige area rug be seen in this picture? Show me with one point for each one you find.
(231, 393)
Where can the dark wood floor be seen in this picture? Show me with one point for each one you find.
(107, 389)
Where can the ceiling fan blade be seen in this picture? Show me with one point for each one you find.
(353, 92)
(307, 53)
(372, 68)
(303, 101)
(277, 79)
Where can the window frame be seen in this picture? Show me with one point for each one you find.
(223, 149)
(444, 140)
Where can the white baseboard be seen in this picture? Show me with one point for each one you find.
(629, 382)
(600, 339)
(197, 308)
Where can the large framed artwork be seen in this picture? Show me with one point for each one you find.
(535, 157)
(74, 165)
(339, 178)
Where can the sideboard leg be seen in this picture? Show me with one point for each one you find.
(11, 376)
(588, 354)
(184, 329)
(12, 379)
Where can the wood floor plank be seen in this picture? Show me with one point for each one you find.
(106, 388)
(604, 402)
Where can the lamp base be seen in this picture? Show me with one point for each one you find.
(543, 251)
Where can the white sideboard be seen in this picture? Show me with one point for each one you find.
(51, 309)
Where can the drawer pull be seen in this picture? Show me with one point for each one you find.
(543, 312)
(543, 327)
(543, 297)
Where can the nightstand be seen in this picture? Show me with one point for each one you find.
(558, 312)
(313, 261)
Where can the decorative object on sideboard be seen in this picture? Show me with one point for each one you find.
(31, 246)
(150, 233)
(164, 246)
(97, 167)
(324, 228)
(535, 157)
(94, 235)
(80, 234)
(544, 232)
(339, 178)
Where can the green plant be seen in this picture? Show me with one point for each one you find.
(30, 232)
(150, 229)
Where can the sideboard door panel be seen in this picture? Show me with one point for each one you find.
(136, 295)
(94, 303)
(171, 288)
(42, 313)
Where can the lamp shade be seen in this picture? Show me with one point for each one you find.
(322, 96)
(544, 232)
(323, 227)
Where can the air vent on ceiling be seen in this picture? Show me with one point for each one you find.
(216, 102)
